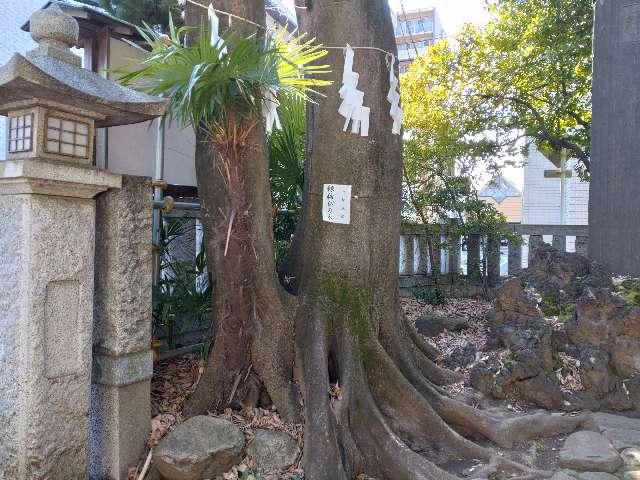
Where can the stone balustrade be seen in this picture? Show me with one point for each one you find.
(468, 257)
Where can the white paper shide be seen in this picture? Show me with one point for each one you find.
(394, 98)
(336, 203)
(352, 108)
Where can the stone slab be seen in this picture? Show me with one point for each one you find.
(596, 476)
(588, 451)
(50, 178)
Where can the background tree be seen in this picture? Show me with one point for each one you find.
(526, 75)
(369, 382)
(152, 12)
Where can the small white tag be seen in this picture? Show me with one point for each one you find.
(336, 203)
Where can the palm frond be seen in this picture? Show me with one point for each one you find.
(205, 83)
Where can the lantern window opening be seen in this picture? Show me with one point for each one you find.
(67, 137)
(21, 133)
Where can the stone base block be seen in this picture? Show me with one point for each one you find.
(120, 430)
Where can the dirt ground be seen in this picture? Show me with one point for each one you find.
(175, 379)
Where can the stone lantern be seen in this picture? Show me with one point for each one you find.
(47, 235)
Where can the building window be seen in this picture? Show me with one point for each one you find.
(417, 26)
(21, 133)
(66, 137)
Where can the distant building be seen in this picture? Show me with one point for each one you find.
(505, 196)
(542, 204)
(416, 30)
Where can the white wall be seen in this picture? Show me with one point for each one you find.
(541, 196)
(132, 147)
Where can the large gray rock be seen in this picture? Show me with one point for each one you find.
(622, 438)
(589, 451)
(596, 476)
(631, 458)
(564, 475)
(601, 421)
(273, 450)
(202, 447)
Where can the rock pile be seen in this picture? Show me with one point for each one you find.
(563, 310)
(206, 447)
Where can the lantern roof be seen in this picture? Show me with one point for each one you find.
(52, 75)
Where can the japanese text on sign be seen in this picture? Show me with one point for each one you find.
(336, 203)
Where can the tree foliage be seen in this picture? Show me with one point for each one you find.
(287, 155)
(526, 75)
(153, 12)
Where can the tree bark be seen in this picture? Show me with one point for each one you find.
(387, 416)
(250, 307)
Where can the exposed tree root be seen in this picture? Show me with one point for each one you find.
(429, 350)
(386, 423)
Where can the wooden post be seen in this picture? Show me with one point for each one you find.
(493, 259)
(473, 257)
(515, 258)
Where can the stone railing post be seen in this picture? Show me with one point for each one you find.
(453, 250)
(515, 258)
(423, 259)
(436, 265)
(122, 361)
(534, 241)
(560, 242)
(409, 255)
(473, 257)
(582, 245)
(493, 259)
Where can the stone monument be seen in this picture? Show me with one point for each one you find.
(47, 235)
(614, 204)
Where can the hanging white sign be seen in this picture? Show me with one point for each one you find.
(336, 203)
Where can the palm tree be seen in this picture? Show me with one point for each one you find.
(220, 88)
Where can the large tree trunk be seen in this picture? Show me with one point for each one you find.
(250, 307)
(351, 337)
